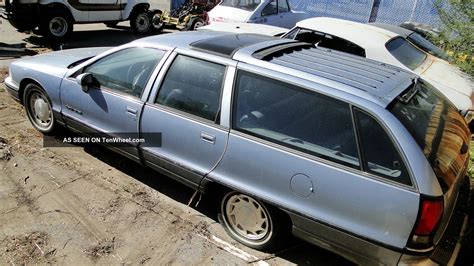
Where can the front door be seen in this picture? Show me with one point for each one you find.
(186, 112)
(112, 106)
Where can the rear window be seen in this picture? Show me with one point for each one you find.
(405, 52)
(437, 127)
(248, 5)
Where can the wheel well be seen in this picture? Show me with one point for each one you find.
(217, 191)
(141, 6)
(55, 7)
(23, 85)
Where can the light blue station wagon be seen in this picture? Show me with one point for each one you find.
(361, 158)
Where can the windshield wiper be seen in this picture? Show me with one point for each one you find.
(405, 98)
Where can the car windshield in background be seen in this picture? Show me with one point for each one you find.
(249, 5)
(426, 45)
(438, 129)
(405, 52)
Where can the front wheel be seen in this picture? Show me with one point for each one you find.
(140, 21)
(56, 26)
(253, 223)
(39, 109)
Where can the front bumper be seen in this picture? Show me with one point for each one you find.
(12, 89)
(448, 249)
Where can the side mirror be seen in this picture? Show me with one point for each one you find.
(86, 80)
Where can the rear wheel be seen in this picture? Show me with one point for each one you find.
(253, 223)
(140, 21)
(39, 109)
(56, 25)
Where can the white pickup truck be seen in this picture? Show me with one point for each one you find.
(55, 18)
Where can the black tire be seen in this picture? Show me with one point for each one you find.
(275, 226)
(140, 21)
(197, 23)
(39, 109)
(22, 26)
(111, 24)
(56, 26)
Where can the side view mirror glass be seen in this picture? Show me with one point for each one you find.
(86, 80)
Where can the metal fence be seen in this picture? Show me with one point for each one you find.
(387, 11)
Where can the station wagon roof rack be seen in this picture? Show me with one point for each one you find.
(369, 76)
(227, 45)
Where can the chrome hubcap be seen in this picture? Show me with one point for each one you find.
(40, 110)
(247, 217)
(58, 26)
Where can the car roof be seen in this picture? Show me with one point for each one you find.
(369, 79)
(393, 28)
(364, 35)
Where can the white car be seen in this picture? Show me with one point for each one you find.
(378, 44)
(269, 12)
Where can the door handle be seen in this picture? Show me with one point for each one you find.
(208, 138)
(131, 110)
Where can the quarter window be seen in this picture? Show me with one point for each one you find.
(296, 118)
(126, 71)
(193, 86)
(380, 155)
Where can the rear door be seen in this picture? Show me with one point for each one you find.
(298, 149)
(186, 110)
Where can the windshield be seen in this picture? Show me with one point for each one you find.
(249, 5)
(438, 128)
(405, 52)
(427, 46)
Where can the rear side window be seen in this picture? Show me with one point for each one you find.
(405, 52)
(380, 155)
(193, 86)
(296, 118)
(248, 5)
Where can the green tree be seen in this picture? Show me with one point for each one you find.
(457, 36)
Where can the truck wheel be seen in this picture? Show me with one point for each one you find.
(22, 26)
(140, 21)
(56, 26)
(197, 23)
(156, 21)
(253, 223)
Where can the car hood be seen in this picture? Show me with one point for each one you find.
(441, 73)
(56, 63)
(228, 14)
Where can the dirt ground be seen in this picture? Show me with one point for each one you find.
(88, 205)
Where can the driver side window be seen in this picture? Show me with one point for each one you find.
(270, 9)
(126, 71)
